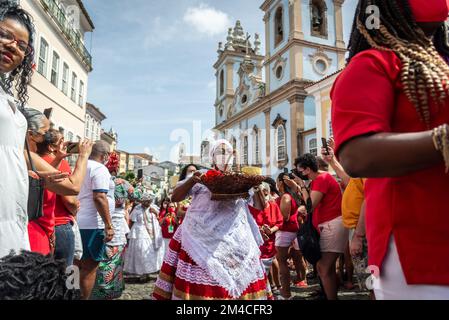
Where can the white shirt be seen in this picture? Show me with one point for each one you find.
(13, 180)
(120, 226)
(98, 179)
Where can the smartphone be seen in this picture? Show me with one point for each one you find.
(325, 145)
(73, 148)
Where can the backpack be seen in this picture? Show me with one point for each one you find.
(309, 240)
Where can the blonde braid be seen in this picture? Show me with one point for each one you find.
(424, 73)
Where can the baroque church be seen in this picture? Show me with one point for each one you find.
(273, 107)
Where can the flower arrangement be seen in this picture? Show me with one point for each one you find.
(230, 185)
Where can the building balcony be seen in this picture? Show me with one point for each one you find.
(73, 36)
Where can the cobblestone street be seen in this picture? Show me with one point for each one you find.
(135, 290)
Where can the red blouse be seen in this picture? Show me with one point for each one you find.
(368, 97)
(272, 217)
(292, 224)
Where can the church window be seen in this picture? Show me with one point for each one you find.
(281, 145)
(221, 82)
(318, 18)
(279, 72)
(278, 26)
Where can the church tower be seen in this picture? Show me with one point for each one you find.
(239, 51)
(304, 40)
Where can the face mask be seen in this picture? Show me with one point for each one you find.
(221, 161)
(430, 11)
(190, 175)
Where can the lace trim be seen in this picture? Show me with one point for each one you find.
(171, 257)
(194, 274)
(164, 285)
(214, 241)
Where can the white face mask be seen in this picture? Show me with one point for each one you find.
(223, 162)
(190, 175)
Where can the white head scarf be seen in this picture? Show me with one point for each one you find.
(222, 161)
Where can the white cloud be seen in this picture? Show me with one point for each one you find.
(160, 33)
(207, 20)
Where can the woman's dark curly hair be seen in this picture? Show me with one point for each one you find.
(21, 76)
(32, 276)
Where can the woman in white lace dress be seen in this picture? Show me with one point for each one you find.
(145, 251)
(215, 253)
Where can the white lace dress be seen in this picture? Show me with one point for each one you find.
(214, 254)
(145, 251)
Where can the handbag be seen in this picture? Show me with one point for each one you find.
(309, 240)
(35, 206)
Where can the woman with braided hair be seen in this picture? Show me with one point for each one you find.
(393, 98)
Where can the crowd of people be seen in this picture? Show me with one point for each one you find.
(383, 201)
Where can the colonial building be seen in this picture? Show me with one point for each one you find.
(94, 117)
(111, 138)
(266, 105)
(63, 62)
(142, 160)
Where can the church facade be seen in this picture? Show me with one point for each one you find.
(272, 107)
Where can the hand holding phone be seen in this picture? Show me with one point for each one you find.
(73, 148)
(325, 146)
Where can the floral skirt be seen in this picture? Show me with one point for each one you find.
(109, 283)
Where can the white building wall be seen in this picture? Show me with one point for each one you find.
(43, 94)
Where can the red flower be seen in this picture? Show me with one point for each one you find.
(212, 175)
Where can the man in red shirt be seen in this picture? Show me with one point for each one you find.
(326, 198)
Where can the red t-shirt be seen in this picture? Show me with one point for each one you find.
(329, 207)
(292, 224)
(368, 97)
(47, 221)
(272, 217)
(62, 215)
(167, 221)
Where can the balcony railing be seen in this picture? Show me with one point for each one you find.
(73, 36)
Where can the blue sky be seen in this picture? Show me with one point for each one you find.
(153, 73)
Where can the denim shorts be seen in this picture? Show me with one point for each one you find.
(94, 246)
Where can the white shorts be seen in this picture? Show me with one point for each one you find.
(392, 284)
(285, 239)
(333, 236)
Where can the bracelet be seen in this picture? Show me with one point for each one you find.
(440, 138)
(362, 236)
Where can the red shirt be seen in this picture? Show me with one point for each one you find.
(62, 215)
(368, 97)
(272, 217)
(329, 207)
(47, 221)
(292, 224)
(166, 222)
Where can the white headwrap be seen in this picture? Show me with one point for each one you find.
(223, 159)
(147, 197)
(217, 144)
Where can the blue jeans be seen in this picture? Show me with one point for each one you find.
(65, 243)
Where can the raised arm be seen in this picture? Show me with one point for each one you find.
(181, 191)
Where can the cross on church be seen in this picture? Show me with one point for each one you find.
(248, 36)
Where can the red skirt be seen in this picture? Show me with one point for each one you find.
(39, 241)
(195, 283)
